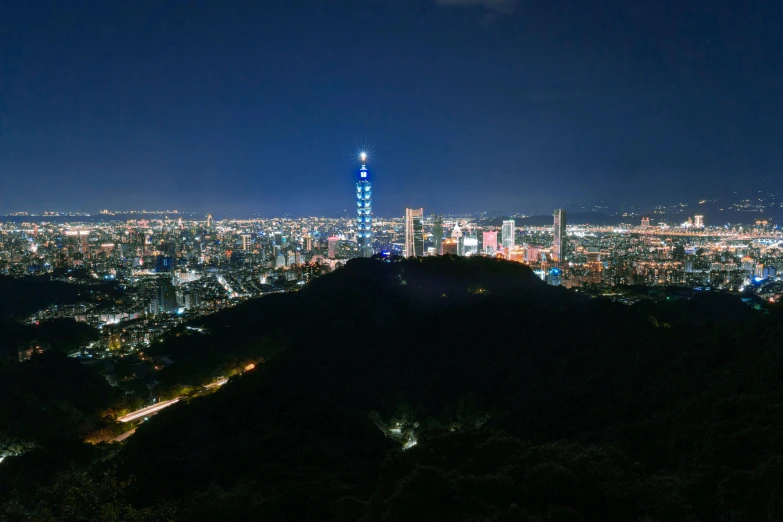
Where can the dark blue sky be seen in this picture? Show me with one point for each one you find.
(466, 105)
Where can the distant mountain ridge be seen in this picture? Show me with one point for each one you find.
(581, 218)
(712, 217)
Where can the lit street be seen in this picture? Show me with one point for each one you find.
(149, 410)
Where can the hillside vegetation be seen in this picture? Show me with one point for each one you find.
(461, 390)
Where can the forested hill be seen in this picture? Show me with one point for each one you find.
(461, 389)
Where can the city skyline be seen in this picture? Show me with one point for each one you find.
(519, 109)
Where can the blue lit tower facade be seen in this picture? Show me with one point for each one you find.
(364, 210)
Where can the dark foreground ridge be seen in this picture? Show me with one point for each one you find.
(447, 389)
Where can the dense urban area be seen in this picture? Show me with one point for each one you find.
(138, 278)
(126, 281)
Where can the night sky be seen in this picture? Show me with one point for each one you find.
(261, 107)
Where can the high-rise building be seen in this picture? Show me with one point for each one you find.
(450, 246)
(470, 243)
(698, 221)
(645, 222)
(437, 234)
(532, 254)
(490, 242)
(164, 264)
(507, 235)
(334, 246)
(364, 210)
(164, 299)
(559, 236)
(209, 220)
(191, 299)
(414, 232)
(456, 235)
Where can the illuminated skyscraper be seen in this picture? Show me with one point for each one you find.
(414, 232)
(456, 235)
(334, 246)
(364, 210)
(507, 235)
(698, 221)
(437, 234)
(470, 243)
(450, 246)
(555, 277)
(490, 242)
(559, 236)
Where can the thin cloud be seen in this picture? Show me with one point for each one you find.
(498, 6)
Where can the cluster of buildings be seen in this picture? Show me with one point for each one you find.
(466, 237)
(149, 275)
(748, 259)
(164, 270)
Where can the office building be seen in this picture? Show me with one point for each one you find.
(555, 277)
(191, 299)
(456, 235)
(490, 242)
(507, 235)
(334, 247)
(414, 232)
(698, 221)
(364, 210)
(164, 264)
(437, 234)
(470, 243)
(532, 254)
(449, 247)
(559, 236)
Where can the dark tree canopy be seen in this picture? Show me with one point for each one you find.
(516, 402)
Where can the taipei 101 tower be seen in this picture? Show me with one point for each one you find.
(364, 209)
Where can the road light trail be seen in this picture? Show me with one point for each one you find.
(155, 408)
(149, 410)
